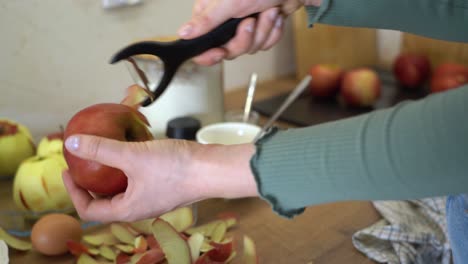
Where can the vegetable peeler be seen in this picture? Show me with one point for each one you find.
(173, 54)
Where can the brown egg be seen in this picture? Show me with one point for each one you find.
(50, 234)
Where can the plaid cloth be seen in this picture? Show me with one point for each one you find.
(411, 232)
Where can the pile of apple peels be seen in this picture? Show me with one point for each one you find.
(171, 239)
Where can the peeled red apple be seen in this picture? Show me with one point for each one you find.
(325, 80)
(360, 87)
(38, 184)
(412, 70)
(115, 121)
(16, 145)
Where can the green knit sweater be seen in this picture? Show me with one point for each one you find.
(413, 150)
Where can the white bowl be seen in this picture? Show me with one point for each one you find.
(228, 133)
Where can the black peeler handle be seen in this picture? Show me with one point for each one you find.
(174, 54)
(215, 38)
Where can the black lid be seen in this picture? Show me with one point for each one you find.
(183, 128)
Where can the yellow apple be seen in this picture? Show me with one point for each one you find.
(38, 184)
(16, 145)
(51, 144)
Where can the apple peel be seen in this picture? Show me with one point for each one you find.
(86, 259)
(218, 232)
(143, 226)
(141, 245)
(122, 258)
(77, 249)
(195, 243)
(125, 248)
(107, 253)
(122, 233)
(14, 242)
(221, 252)
(149, 257)
(172, 244)
(180, 218)
(104, 238)
(250, 251)
(136, 95)
(208, 228)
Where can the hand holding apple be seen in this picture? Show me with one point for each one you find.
(162, 175)
(114, 121)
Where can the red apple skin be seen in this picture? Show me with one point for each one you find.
(361, 87)
(412, 70)
(7, 129)
(58, 135)
(440, 83)
(451, 69)
(114, 121)
(326, 79)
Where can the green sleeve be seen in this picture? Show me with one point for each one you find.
(440, 19)
(416, 149)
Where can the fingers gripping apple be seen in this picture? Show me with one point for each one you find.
(114, 121)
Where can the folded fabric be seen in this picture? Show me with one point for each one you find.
(411, 232)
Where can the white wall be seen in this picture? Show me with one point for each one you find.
(54, 55)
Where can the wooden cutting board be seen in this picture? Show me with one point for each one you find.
(348, 47)
(439, 51)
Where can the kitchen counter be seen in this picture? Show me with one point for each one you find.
(322, 234)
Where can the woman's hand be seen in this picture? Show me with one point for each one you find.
(252, 34)
(162, 175)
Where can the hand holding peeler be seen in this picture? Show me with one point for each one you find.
(173, 54)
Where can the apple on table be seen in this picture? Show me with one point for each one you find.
(412, 70)
(51, 144)
(38, 184)
(326, 79)
(16, 145)
(448, 76)
(360, 87)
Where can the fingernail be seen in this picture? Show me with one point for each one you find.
(72, 143)
(273, 14)
(250, 27)
(185, 30)
(279, 22)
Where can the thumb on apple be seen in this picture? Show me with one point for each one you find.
(103, 150)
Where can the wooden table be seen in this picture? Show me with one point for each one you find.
(322, 234)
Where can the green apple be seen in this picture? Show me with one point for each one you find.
(38, 184)
(51, 144)
(16, 145)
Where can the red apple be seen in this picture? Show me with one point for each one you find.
(440, 83)
(449, 76)
(451, 69)
(326, 80)
(360, 87)
(115, 121)
(412, 70)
